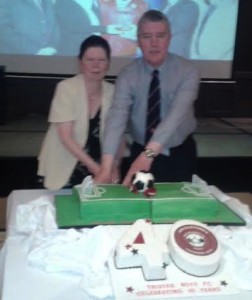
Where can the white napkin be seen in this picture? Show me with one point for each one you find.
(237, 243)
(83, 252)
(38, 214)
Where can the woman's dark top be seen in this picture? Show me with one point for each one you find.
(92, 147)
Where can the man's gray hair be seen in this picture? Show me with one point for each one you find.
(152, 16)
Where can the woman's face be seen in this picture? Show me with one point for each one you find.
(94, 63)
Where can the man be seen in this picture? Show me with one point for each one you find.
(170, 154)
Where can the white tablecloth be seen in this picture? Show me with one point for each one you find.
(21, 281)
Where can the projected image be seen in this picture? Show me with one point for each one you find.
(214, 38)
(28, 27)
(43, 36)
(201, 29)
(115, 20)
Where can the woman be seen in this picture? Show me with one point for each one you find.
(71, 148)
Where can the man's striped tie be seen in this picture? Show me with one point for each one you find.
(153, 111)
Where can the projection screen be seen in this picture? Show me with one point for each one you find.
(43, 36)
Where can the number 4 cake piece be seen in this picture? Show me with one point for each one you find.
(190, 245)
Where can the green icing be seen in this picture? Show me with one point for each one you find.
(182, 201)
(166, 210)
(115, 210)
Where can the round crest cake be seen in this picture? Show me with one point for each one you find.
(194, 248)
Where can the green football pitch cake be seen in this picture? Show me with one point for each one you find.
(91, 205)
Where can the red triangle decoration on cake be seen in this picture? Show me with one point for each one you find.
(139, 239)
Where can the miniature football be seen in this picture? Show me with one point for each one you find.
(142, 181)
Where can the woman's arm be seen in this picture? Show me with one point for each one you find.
(65, 132)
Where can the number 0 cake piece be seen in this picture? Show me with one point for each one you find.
(194, 248)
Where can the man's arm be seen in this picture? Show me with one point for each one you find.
(115, 126)
(105, 175)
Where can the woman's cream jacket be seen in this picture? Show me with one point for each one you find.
(55, 162)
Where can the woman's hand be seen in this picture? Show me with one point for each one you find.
(93, 167)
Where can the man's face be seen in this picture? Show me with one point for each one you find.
(154, 40)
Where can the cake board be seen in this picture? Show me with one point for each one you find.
(130, 284)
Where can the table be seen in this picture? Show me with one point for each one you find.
(21, 281)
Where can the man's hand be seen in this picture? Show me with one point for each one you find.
(93, 168)
(141, 163)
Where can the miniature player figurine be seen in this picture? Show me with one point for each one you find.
(143, 182)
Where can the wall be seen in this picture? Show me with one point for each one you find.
(32, 95)
(2, 96)
(225, 99)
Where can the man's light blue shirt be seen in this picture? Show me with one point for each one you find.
(179, 81)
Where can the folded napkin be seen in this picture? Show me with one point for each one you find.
(237, 245)
(236, 241)
(79, 252)
(82, 252)
(38, 214)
